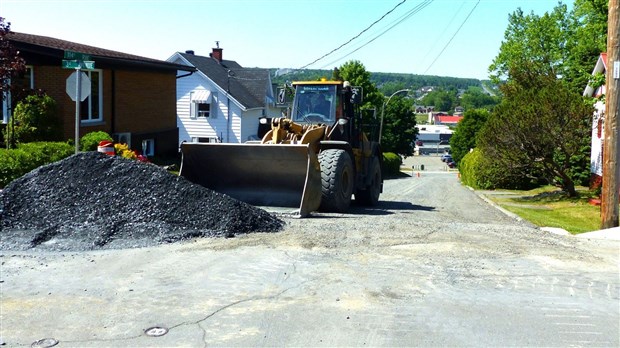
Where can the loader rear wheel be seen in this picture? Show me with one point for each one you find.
(336, 180)
(370, 196)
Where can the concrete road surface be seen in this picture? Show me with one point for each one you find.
(432, 265)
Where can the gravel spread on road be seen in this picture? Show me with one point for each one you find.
(92, 201)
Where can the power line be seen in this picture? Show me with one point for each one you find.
(448, 43)
(355, 37)
(445, 29)
(401, 19)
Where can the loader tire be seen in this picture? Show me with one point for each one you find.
(337, 179)
(370, 196)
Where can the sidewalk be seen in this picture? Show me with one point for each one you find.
(609, 233)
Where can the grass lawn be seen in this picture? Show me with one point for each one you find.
(421, 118)
(550, 207)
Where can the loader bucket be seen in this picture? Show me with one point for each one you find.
(259, 174)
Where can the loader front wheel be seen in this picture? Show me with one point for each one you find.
(337, 179)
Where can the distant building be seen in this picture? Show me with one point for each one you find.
(441, 118)
(432, 139)
(421, 109)
(433, 134)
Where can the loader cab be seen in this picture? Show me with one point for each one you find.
(315, 102)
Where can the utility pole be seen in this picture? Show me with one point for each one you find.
(611, 170)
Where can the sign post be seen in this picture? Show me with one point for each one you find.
(78, 99)
(77, 61)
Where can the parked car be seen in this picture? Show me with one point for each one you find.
(451, 164)
(446, 158)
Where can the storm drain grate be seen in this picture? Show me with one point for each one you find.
(156, 331)
(44, 343)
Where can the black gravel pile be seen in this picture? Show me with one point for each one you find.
(94, 201)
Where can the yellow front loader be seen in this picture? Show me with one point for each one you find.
(315, 159)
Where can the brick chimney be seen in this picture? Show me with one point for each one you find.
(217, 52)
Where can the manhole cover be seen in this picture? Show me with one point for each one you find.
(44, 343)
(156, 331)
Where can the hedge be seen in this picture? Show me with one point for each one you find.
(391, 164)
(480, 172)
(15, 163)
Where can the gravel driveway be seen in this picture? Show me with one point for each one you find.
(432, 265)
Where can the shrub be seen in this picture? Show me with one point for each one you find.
(483, 172)
(469, 167)
(391, 163)
(35, 119)
(90, 141)
(14, 163)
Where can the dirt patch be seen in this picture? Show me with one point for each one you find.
(94, 201)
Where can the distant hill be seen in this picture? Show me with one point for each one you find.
(384, 81)
(415, 82)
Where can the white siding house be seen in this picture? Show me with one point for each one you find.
(221, 101)
(596, 155)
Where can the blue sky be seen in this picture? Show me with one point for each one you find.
(418, 36)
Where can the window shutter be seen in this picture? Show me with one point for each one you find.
(193, 108)
(214, 105)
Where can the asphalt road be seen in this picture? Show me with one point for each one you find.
(432, 265)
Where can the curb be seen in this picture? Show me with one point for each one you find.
(506, 212)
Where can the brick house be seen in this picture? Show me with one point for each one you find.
(132, 98)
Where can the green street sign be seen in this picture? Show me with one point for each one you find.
(70, 55)
(74, 64)
(88, 64)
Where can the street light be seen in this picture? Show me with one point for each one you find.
(383, 111)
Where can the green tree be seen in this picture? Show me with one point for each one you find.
(562, 43)
(587, 39)
(399, 124)
(541, 125)
(441, 99)
(533, 44)
(390, 87)
(475, 98)
(463, 139)
(11, 64)
(399, 131)
(355, 72)
(543, 60)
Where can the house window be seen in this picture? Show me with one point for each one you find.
(204, 109)
(122, 138)
(24, 81)
(148, 147)
(204, 140)
(91, 109)
(201, 104)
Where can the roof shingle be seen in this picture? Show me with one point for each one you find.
(54, 48)
(246, 85)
